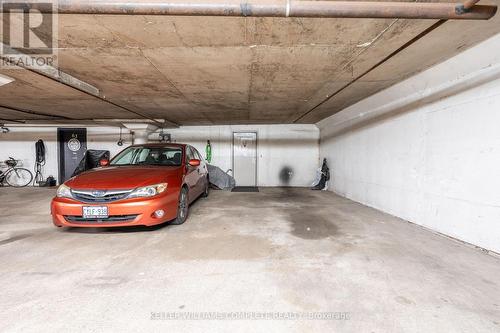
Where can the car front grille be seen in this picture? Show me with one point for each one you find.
(93, 196)
(110, 219)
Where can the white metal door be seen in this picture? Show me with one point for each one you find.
(245, 158)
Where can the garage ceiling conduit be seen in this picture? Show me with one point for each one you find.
(282, 8)
(36, 113)
(6, 121)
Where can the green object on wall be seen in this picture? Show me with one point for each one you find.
(208, 152)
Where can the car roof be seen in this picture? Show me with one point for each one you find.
(161, 144)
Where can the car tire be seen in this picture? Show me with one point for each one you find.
(182, 207)
(207, 189)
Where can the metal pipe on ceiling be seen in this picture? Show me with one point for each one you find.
(281, 8)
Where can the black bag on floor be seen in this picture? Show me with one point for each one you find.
(50, 182)
(325, 176)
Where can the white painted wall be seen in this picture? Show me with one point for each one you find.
(435, 162)
(295, 146)
(278, 146)
(20, 144)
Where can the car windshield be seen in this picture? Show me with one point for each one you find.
(149, 156)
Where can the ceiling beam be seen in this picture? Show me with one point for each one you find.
(35, 113)
(11, 121)
(401, 48)
(68, 80)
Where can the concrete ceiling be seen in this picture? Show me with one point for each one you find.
(229, 70)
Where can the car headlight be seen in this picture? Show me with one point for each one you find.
(64, 191)
(148, 191)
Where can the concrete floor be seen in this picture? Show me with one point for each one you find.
(280, 250)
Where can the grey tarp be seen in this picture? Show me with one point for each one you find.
(219, 178)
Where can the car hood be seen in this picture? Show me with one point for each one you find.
(124, 177)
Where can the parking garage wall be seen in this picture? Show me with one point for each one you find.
(20, 144)
(435, 162)
(279, 146)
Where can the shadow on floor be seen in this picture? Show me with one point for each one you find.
(114, 230)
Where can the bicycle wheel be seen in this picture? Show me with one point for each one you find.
(18, 177)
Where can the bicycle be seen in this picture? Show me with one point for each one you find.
(14, 176)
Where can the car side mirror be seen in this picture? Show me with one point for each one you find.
(104, 162)
(194, 162)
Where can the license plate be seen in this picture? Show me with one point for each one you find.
(95, 212)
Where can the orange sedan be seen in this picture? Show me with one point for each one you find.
(143, 185)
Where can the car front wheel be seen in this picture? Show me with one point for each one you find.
(207, 189)
(182, 208)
